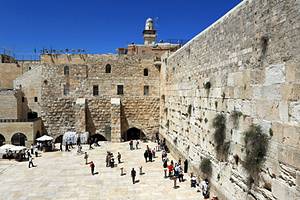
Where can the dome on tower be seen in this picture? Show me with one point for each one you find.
(149, 24)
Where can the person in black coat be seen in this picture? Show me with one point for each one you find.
(185, 166)
(146, 156)
(133, 174)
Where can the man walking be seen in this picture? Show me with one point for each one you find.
(137, 144)
(30, 162)
(133, 174)
(86, 156)
(119, 157)
(131, 145)
(92, 165)
(146, 155)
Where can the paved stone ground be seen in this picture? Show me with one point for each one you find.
(65, 176)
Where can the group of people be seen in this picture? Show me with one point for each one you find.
(149, 154)
(136, 144)
(110, 160)
(201, 186)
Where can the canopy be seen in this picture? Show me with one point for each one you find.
(44, 138)
(7, 147)
(71, 137)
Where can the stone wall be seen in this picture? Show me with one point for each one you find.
(8, 73)
(30, 83)
(251, 59)
(10, 101)
(137, 110)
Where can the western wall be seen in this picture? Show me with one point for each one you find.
(248, 62)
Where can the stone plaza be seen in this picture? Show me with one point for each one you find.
(65, 176)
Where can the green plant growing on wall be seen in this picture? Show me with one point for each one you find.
(222, 147)
(256, 144)
(205, 166)
(207, 85)
(235, 116)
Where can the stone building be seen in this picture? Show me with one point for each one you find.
(114, 97)
(245, 67)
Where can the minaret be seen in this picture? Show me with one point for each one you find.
(149, 33)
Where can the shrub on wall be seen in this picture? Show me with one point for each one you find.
(256, 144)
(235, 116)
(222, 147)
(205, 166)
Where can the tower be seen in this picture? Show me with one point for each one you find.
(149, 33)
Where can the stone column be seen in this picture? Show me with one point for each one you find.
(115, 120)
(80, 115)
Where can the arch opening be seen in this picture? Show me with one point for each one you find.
(2, 140)
(18, 139)
(134, 134)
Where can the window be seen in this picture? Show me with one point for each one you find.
(66, 70)
(145, 72)
(95, 90)
(146, 90)
(35, 99)
(66, 89)
(120, 90)
(108, 68)
(23, 99)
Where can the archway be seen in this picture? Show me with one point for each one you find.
(134, 134)
(98, 137)
(59, 139)
(2, 139)
(18, 139)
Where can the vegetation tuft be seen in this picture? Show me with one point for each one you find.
(235, 116)
(222, 147)
(256, 144)
(205, 166)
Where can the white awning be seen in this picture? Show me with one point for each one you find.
(44, 138)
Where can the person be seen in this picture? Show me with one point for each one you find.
(133, 174)
(193, 181)
(92, 165)
(131, 145)
(28, 154)
(170, 168)
(185, 166)
(180, 176)
(150, 155)
(204, 187)
(86, 156)
(36, 153)
(107, 159)
(79, 149)
(165, 166)
(112, 162)
(146, 155)
(119, 157)
(137, 144)
(31, 149)
(30, 162)
(153, 153)
(60, 147)
(179, 161)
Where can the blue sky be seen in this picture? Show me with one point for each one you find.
(101, 25)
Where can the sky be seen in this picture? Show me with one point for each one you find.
(101, 26)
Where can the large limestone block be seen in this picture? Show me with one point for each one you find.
(275, 74)
(294, 111)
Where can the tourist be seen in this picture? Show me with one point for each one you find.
(170, 168)
(92, 165)
(86, 156)
(107, 159)
(137, 144)
(28, 154)
(36, 153)
(119, 157)
(205, 187)
(193, 181)
(112, 161)
(179, 161)
(153, 153)
(165, 166)
(150, 155)
(180, 176)
(31, 149)
(30, 162)
(146, 155)
(133, 174)
(60, 147)
(131, 145)
(185, 166)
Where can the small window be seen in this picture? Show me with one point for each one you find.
(35, 99)
(66, 89)
(145, 72)
(66, 70)
(108, 68)
(23, 99)
(146, 90)
(120, 90)
(95, 90)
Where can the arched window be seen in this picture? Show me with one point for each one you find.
(2, 139)
(66, 70)
(18, 139)
(145, 72)
(108, 68)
